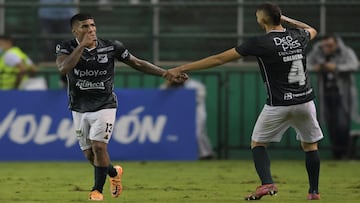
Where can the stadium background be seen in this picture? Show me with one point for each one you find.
(171, 32)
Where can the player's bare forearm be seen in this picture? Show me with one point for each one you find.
(299, 24)
(144, 66)
(294, 22)
(66, 63)
(150, 68)
(205, 63)
(209, 62)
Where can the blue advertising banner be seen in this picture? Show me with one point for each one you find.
(150, 125)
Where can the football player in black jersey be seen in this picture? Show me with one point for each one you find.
(281, 58)
(88, 62)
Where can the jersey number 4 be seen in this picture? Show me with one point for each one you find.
(297, 74)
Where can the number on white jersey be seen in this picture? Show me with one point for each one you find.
(297, 74)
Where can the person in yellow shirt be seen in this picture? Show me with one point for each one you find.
(14, 64)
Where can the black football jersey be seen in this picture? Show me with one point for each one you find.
(91, 81)
(282, 61)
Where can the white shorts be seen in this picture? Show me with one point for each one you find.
(95, 126)
(273, 121)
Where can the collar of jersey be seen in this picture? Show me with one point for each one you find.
(87, 49)
(278, 30)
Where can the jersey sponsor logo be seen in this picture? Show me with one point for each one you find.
(87, 85)
(293, 57)
(102, 58)
(92, 73)
(290, 52)
(286, 42)
(290, 96)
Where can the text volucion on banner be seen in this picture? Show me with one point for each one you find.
(150, 125)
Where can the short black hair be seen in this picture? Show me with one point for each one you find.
(273, 11)
(80, 17)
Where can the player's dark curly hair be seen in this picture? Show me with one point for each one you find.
(273, 11)
(80, 17)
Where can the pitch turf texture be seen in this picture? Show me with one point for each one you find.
(175, 182)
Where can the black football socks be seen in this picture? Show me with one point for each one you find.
(262, 164)
(312, 162)
(112, 171)
(100, 178)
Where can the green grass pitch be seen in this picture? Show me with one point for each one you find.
(175, 182)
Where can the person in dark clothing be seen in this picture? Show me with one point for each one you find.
(335, 63)
(281, 58)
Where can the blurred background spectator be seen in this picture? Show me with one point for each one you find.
(55, 20)
(204, 146)
(15, 66)
(335, 64)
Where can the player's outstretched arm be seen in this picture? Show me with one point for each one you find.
(299, 24)
(149, 68)
(144, 66)
(209, 62)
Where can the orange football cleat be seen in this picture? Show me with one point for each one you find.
(115, 182)
(96, 196)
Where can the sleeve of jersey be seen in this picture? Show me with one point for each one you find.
(306, 35)
(249, 48)
(121, 53)
(62, 49)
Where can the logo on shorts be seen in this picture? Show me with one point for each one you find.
(78, 133)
